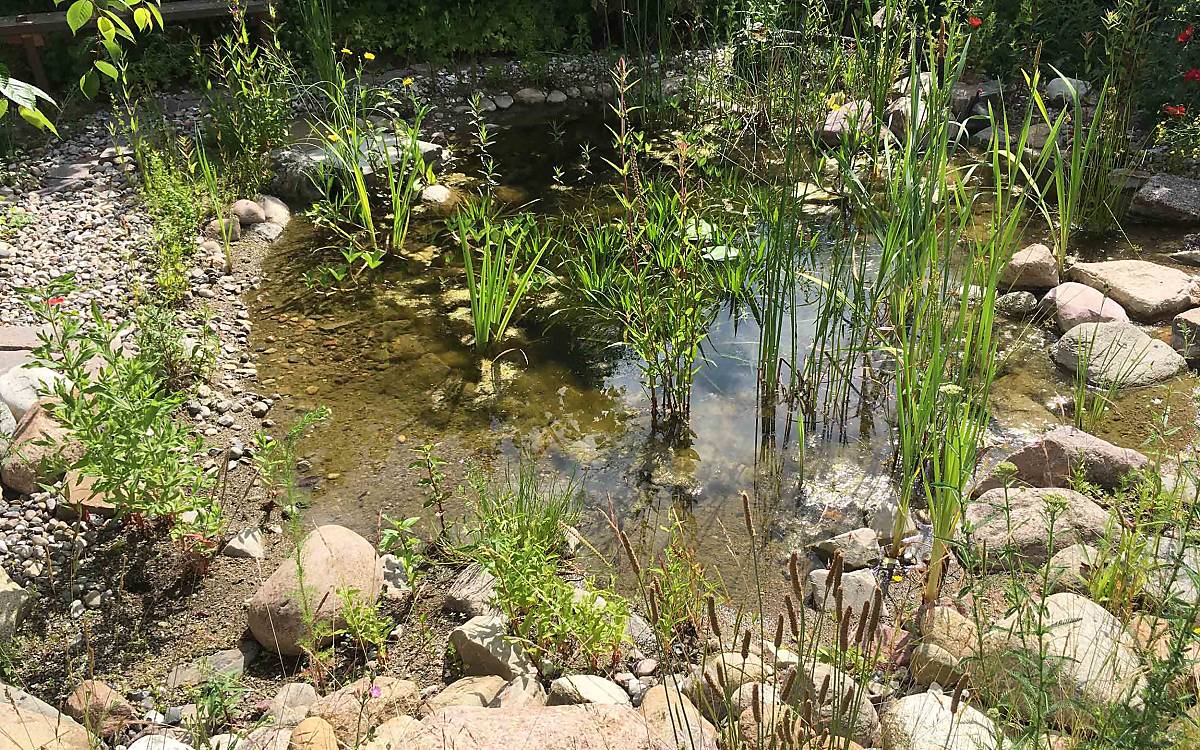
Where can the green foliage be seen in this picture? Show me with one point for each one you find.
(216, 699)
(364, 624)
(501, 257)
(248, 88)
(121, 413)
(177, 360)
(275, 460)
(433, 480)
(397, 537)
(678, 585)
(170, 193)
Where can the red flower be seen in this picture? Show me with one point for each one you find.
(1175, 110)
(1185, 36)
(1192, 75)
(975, 21)
(55, 301)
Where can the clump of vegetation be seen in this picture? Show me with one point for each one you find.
(120, 411)
(275, 460)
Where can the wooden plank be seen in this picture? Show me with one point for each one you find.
(179, 10)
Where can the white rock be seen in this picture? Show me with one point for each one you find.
(19, 387)
(924, 722)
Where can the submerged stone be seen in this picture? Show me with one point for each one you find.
(1117, 355)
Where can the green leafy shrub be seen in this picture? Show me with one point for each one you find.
(169, 191)
(120, 411)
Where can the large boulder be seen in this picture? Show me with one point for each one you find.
(247, 212)
(1170, 198)
(472, 592)
(675, 720)
(24, 727)
(1148, 291)
(924, 721)
(519, 692)
(1055, 457)
(1071, 568)
(359, 707)
(274, 210)
(313, 734)
(585, 727)
(1117, 355)
(1172, 573)
(1034, 267)
(718, 678)
(1062, 91)
(858, 590)
(1017, 523)
(833, 501)
(858, 548)
(39, 451)
(304, 592)
(1073, 303)
(1088, 657)
(485, 648)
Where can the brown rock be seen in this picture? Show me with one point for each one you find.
(314, 733)
(1074, 304)
(82, 499)
(469, 691)
(332, 559)
(26, 465)
(1052, 461)
(728, 671)
(949, 630)
(1035, 267)
(1071, 568)
(768, 729)
(353, 711)
(583, 727)
(99, 707)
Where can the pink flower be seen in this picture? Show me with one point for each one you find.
(975, 21)
(375, 691)
(1192, 75)
(1185, 36)
(1175, 110)
(55, 301)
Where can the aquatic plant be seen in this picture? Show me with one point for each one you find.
(501, 256)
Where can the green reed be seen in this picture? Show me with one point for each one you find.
(501, 256)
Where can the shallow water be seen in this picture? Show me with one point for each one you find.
(391, 362)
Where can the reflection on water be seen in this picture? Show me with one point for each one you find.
(391, 362)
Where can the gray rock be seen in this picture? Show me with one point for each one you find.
(851, 120)
(14, 606)
(1185, 334)
(1070, 568)
(1148, 291)
(246, 543)
(267, 231)
(484, 648)
(586, 688)
(522, 690)
(1117, 354)
(274, 210)
(290, 705)
(472, 592)
(530, 95)
(503, 101)
(924, 721)
(20, 386)
(1062, 91)
(396, 584)
(1017, 304)
(556, 97)
(834, 501)
(1016, 524)
(1173, 573)
(231, 663)
(859, 548)
(858, 589)
(1168, 198)
(158, 742)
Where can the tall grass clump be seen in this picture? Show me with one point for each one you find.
(501, 256)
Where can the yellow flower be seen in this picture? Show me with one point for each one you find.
(368, 56)
(346, 51)
(836, 100)
(407, 82)
(897, 578)
(334, 137)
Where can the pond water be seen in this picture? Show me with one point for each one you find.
(391, 362)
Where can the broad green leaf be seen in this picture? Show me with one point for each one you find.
(107, 68)
(79, 14)
(35, 118)
(3, 107)
(142, 18)
(107, 30)
(89, 84)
